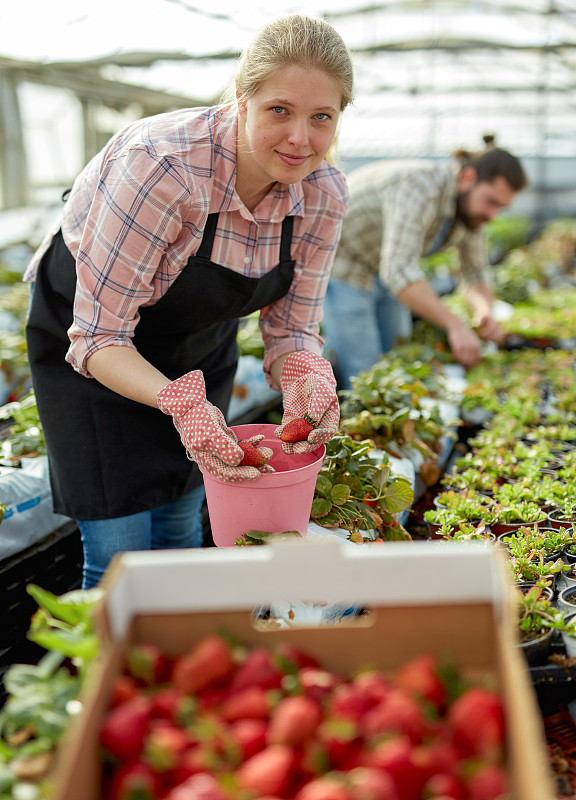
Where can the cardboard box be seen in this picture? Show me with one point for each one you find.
(450, 600)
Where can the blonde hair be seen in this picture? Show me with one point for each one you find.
(295, 39)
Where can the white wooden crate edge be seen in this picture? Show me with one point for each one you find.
(214, 579)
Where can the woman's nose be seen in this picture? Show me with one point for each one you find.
(298, 134)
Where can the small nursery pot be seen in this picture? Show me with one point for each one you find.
(567, 599)
(555, 519)
(568, 639)
(536, 651)
(511, 527)
(525, 586)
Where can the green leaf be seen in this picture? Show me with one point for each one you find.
(74, 644)
(398, 496)
(340, 494)
(320, 507)
(323, 485)
(73, 607)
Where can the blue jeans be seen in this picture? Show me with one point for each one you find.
(174, 525)
(360, 326)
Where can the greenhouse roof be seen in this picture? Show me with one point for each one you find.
(431, 75)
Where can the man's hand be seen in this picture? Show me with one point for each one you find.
(464, 344)
(490, 330)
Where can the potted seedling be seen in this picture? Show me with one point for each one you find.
(564, 514)
(531, 566)
(469, 478)
(504, 517)
(537, 621)
(465, 532)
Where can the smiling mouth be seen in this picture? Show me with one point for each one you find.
(291, 159)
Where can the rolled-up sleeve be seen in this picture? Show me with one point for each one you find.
(136, 213)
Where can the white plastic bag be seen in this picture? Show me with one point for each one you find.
(26, 493)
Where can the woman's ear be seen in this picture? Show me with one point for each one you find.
(467, 178)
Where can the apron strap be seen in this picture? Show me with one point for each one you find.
(205, 249)
(286, 240)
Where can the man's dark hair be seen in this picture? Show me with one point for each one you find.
(493, 162)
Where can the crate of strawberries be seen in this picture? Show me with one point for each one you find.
(422, 696)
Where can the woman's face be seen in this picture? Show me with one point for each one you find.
(287, 127)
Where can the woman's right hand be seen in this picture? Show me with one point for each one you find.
(203, 430)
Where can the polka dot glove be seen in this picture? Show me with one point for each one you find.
(203, 430)
(309, 392)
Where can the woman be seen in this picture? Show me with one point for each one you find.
(184, 223)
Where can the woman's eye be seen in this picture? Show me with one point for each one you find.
(278, 109)
(323, 116)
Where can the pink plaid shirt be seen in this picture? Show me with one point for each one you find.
(137, 213)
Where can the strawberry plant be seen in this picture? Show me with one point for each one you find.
(356, 491)
(387, 405)
(41, 697)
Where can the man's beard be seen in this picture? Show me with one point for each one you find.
(462, 215)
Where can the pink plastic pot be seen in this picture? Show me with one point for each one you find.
(275, 502)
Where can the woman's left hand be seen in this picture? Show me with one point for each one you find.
(309, 392)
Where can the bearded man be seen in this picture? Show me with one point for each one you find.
(399, 212)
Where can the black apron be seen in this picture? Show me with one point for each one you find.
(110, 456)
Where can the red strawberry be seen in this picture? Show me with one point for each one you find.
(420, 678)
(199, 787)
(123, 688)
(397, 713)
(341, 743)
(489, 783)
(172, 704)
(394, 756)
(252, 456)
(326, 787)
(367, 783)
(134, 781)
(373, 685)
(269, 771)
(294, 720)
(164, 746)
(369, 500)
(250, 703)
(249, 735)
(199, 759)
(445, 786)
(124, 728)
(258, 669)
(477, 723)
(147, 664)
(317, 683)
(434, 756)
(290, 658)
(296, 430)
(348, 701)
(209, 661)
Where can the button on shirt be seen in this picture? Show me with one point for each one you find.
(137, 212)
(395, 213)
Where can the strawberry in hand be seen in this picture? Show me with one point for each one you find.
(254, 456)
(309, 399)
(296, 430)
